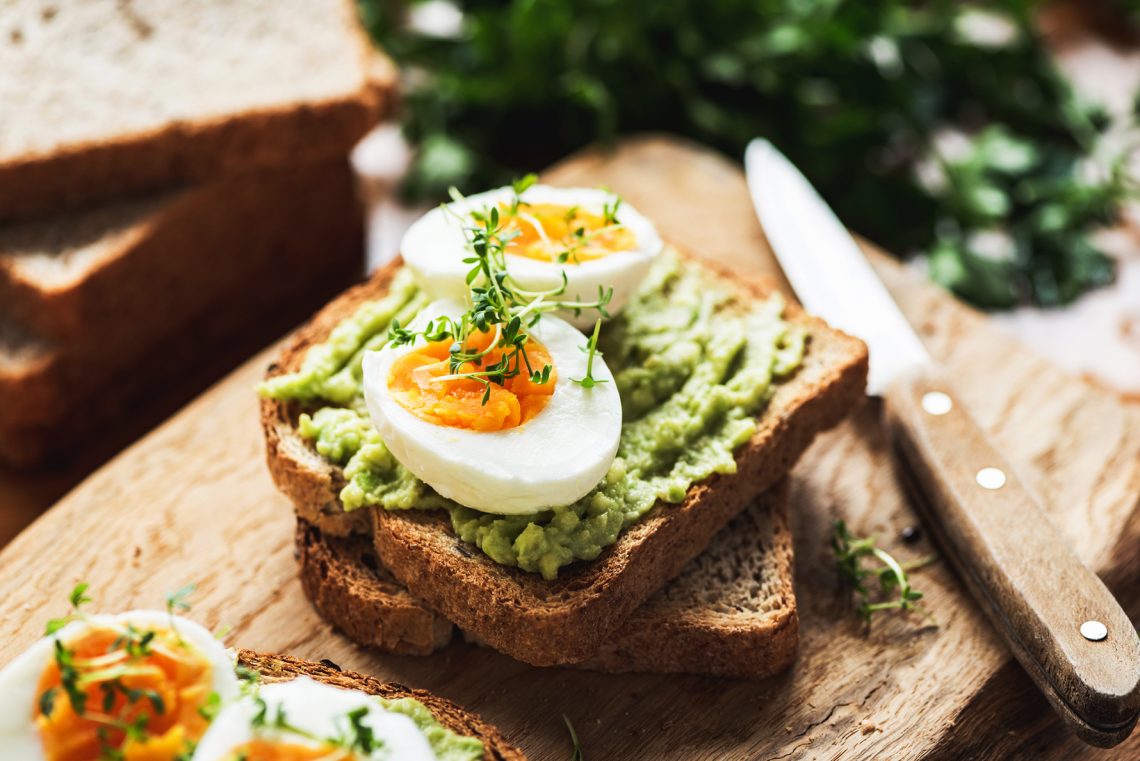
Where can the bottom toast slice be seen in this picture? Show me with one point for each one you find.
(282, 668)
(731, 612)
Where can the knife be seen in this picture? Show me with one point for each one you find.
(1059, 620)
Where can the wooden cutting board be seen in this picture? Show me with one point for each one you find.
(192, 502)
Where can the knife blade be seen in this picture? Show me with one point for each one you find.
(1057, 617)
(840, 287)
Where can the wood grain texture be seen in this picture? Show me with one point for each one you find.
(193, 502)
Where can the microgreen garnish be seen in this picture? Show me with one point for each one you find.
(356, 735)
(210, 706)
(591, 350)
(78, 598)
(577, 755)
(850, 551)
(520, 186)
(360, 736)
(177, 602)
(499, 305)
(610, 210)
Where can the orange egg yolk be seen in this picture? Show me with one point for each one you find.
(263, 750)
(420, 381)
(159, 691)
(555, 233)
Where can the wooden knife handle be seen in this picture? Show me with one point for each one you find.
(1060, 621)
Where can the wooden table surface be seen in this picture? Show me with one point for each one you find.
(192, 502)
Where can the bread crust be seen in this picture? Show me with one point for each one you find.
(356, 594)
(659, 639)
(564, 621)
(351, 590)
(283, 668)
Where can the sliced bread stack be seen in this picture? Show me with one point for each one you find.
(174, 191)
(702, 586)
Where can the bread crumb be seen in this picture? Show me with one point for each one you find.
(867, 727)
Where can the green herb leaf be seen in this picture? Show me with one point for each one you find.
(577, 754)
(851, 552)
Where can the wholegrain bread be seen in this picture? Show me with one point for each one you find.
(152, 292)
(565, 620)
(284, 668)
(731, 612)
(358, 595)
(104, 98)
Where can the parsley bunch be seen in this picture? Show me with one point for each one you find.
(860, 95)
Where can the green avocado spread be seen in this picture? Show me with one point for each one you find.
(447, 745)
(694, 365)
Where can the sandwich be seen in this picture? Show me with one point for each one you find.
(542, 413)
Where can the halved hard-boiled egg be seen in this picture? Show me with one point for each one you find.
(515, 446)
(135, 686)
(588, 234)
(302, 719)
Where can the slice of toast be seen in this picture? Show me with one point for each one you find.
(731, 612)
(283, 668)
(104, 98)
(565, 620)
(146, 298)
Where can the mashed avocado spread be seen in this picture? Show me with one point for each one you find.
(693, 366)
(446, 745)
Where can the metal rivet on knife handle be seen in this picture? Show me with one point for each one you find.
(990, 478)
(1094, 631)
(936, 402)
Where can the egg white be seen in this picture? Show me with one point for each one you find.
(19, 736)
(436, 245)
(553, 459)
(319, 710)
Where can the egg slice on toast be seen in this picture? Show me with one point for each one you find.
(587, 235)
(137, 686)
(513, 445)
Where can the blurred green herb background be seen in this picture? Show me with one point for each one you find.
(936, 128)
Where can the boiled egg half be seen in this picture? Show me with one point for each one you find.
(513, 447)
(303, 719)
(588, 234)
(133, 686)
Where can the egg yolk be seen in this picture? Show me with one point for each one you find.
(263, 750)
(142, 703)
(421, 382)
(566, 234)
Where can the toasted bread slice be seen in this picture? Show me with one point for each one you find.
(731, 612)
(283, 668)
(565, 620)
(144, 297)
(105, 98)
(355, 593)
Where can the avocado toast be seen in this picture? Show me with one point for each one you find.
(154, 685)
(283, 668)
(565, 619)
